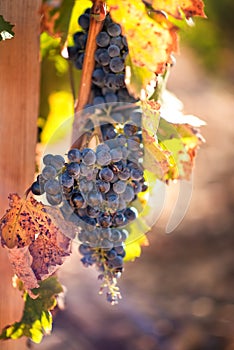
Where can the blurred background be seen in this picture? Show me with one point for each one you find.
(179, 294)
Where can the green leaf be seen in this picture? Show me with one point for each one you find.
(136, 78)
(6, 31)
(36, 320)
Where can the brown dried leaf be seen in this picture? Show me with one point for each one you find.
(21, 261)
(23, 221)
(48, 251)
(36, 244)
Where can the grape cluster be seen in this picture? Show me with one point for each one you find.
(96, 189)
(108, 84)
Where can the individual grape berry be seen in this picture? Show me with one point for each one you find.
(49, 172)
(124, 174)
(112, 200)
(137, 187)
(116, 65)
(114, 29)
(116, 154)
(85, 185)
(88, 156)
(120, 250)
(124, 234)
(73, 169)
(119, 186)
(110, 80)
(84, 21)
(47, 159)
(102, 147)
(104, 58)
(57, 162)
(86, 170)
(102, 39)
(111, 254)
(130, 214)
(103, 158)
(98, 100)
(94, 198)
(37, 189)
(128, 194)
(113, 50)
(133, 143)
(73, 52)
(136, 174)
(77, 200)
(52, 187)
(106, 174)
(118, 219)
(104, 219)
(108, 131)
(136, 117)
(116, 235)
(117, 40)
(105, 233)
(111, 97)
(98, 77)
(54, 199)
(82, 236)
(74, 155)
(80, 40)
(66, 180)
(106, 244)
(130, 129)
(103, 186)
(84, 249)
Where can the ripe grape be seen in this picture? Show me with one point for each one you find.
(102, 39)
(49, 172)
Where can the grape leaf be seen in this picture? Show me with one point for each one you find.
(137, 78)
(56, 18)
(6, 31)
(27, 225)
(150, 117)
(181, 141)
(21, 260)
(177, 7)
(156, 159)
(36, 319)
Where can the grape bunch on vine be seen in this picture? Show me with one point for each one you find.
(123, 143)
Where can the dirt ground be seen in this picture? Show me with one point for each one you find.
(179, 294)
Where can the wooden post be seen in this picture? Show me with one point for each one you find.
(19, 97)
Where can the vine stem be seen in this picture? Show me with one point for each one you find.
(98, 13)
